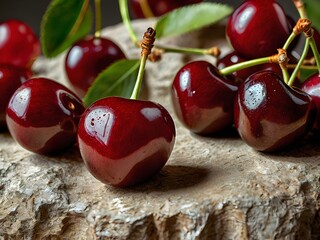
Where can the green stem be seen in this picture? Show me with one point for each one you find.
(137, 86)
(97, 4)
(285, 75)
(306, 67)
(289, 41)
(123, 5)
(200, 51)
(315, 51)
(302, 58)
(239, 66)
(301, 8)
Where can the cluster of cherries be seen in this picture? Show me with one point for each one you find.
(267, 113)
(46, 117)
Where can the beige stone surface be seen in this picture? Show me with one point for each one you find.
(211, 188)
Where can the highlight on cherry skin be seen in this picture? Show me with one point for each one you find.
(269, 115)
(202, 98)
(124, 141)
(87, 58)
(42, 116)
(312, 87)
(10, 79)
(19, 46)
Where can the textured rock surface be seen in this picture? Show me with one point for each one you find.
(211, 188)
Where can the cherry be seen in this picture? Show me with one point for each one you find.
(10, 79)
(43, 115)
(125, 141)
(202, 98)
(156, 8)
(19, 46)
(312, 87)
(269, 115)
(87, 58)
(257, 28)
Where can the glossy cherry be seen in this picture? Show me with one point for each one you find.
(312, 87)
(202, 98)
(43, 115)
(156, 8)
(269, 115)
(19, 46)
(258, 28)
(124, 141)
(10, 79)
(87, 58)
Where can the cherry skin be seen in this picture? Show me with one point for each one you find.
(269, 115)
(123, 141)
(43, 115)
(10, 79)
(312, 87)
(202, 98)
(19, 46)
(156, 8)
(258, 28)
(87, 58)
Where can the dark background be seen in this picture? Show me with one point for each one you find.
(31, 11)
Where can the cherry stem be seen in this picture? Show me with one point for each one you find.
(300, 62)
(146, 47)
(146, 10)
(306, 67)
(239, 66)
(315, 51)
(97, 5)
(289, 40)
(80, 18)
(213, 51)
(123, 5)
(124, 11)
(300, 7)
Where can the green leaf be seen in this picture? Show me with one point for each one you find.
(312, 9)
(64, 22)
(190, 18)
(117, 80)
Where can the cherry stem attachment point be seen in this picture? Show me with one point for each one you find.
(146, 47)
(97, 5)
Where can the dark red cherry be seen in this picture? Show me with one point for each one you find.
(258, 28)
(10, 79)
(43, 115)
(156, 8)
(124, 141)
(202, 98)
(269, 115)
(312, 87)
(19, 46)
(87, 58)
